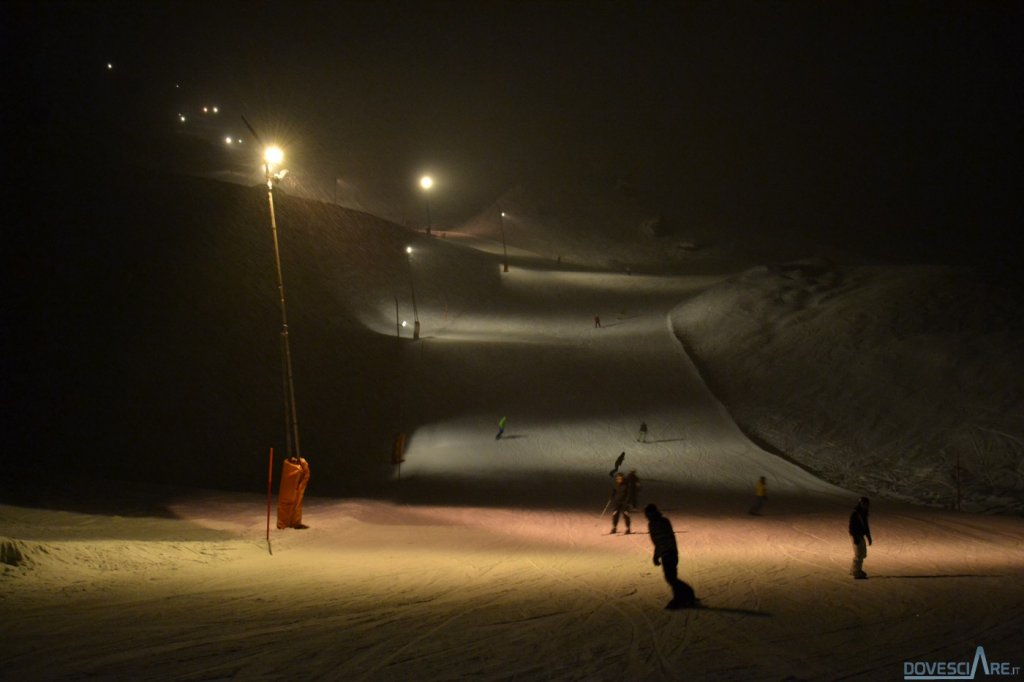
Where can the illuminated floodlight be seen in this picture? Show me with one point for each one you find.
(216, 110)
(404, 323)
(273, 155)
(228, 140)
(426, 182)
(412, 290)
(206, 110)
(181, 117)
(110, 66)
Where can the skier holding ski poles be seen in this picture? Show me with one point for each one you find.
(621, 500)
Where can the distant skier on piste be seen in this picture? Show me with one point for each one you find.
(641, 437)
(760, 494)
(501, 427)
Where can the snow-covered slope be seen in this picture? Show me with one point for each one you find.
(893, 380)
(479, 557)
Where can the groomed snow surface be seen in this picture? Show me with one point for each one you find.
(492, 560)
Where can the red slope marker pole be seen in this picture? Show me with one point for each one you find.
(270, 477)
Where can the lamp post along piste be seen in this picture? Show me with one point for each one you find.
(274, 156)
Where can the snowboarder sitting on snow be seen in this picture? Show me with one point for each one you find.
(859, 529)
(620, 502)
(666, 555)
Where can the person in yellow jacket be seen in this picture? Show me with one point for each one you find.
(760, 493)
(294, 479)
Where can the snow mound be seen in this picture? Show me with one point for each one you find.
(12, 552)
(892, 380)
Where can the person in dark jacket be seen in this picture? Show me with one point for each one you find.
(666, 555)
(859, 531)
(632, 489)
(620, 503)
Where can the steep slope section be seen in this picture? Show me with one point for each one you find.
(574, 395)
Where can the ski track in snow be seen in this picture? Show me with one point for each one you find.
(510, 587)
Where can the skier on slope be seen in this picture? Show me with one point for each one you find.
(632, 489)
(859, 530)
(620, 503)
(760, 494)
(666, 555)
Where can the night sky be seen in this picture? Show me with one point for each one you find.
(859, 115)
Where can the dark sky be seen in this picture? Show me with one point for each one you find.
(732, 109)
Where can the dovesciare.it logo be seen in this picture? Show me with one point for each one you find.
(959, 670)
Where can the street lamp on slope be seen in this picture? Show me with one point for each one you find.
(504, 247)
(273, 157)
(412, 287)
(426, 182)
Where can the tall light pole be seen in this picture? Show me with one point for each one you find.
(504, 248)
(272, 158)
(426, 182)
(412, 287)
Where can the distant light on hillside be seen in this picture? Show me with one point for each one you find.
(426, 182)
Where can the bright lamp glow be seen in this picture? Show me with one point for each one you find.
(408, 249)
(426, 182)
(273, 155)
